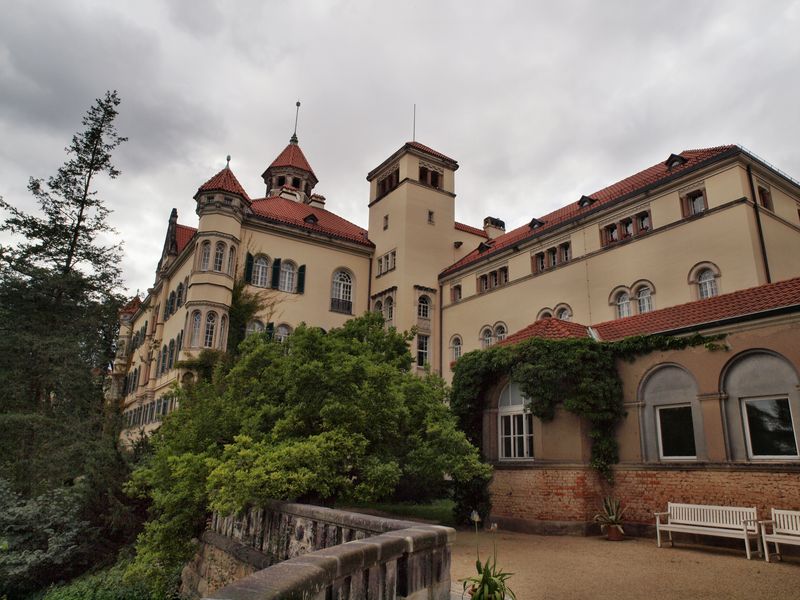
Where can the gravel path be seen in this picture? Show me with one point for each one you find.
(563, 567)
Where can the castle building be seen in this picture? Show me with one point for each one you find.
(699, 227)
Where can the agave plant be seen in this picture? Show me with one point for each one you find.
(490, 582)
(612, 514)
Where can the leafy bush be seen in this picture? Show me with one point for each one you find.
(109, 584)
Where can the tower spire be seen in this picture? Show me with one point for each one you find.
(293, 139)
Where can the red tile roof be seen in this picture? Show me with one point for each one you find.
(549, 328)
(292, 156)
(428, 150)
(701, 312)
(471, 229)
(131, 307)
(224, 181)
(183, 234)
(698, 314)
(289, 212)
(628, 186)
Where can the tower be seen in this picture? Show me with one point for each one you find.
(412, 224)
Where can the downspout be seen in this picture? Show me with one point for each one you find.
(369, 286)
(441, 331)
(758, 224)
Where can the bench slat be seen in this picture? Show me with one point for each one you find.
(786, 521)
(722, 517)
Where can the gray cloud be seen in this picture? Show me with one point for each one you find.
(539, 101)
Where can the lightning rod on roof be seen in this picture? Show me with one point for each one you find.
(414, 125)
(296, 116)
(228, 159)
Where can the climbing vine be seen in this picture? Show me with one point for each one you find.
(579, 374)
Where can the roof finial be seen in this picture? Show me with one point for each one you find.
(228, 158)
(293, 140)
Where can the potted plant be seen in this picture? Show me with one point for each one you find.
(491, 582)
(611, 518)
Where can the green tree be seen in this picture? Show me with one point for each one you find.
(59, 302)
(319, 418)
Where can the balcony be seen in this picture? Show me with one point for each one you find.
(342, 306)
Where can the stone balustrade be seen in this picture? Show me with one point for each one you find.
(321, 553)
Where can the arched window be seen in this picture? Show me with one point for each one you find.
(456, 346)
(164, 358)
(197, 320)
(500, 332)
(564, 313)
(283, 332)
(172, 303)
(378, 307)
(260, 271)
(171, 359)
(623, 305)
(706, 284)
(671, 418)
(424, 307)
(545, 313)
(205, 255)
(178, 345)
(486, 338)
(254, 326)
(288, 277)
(223, 331)
(762, 409)
(211, 325)
(231, 260)
(219, 256)
(388, 310)
(515, 425)
(179, 296)
(158, 364)
(342, 293)
(644, 299)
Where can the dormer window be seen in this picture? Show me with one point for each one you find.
(311, 219)
(535, 223)
(281, 181)
(296, 182)
(585, 201)
(484, 246)
(674, 160)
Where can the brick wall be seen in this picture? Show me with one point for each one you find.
(529, 498)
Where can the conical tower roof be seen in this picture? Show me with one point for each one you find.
(224, 181)
(292, 156)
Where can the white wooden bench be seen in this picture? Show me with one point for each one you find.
(785, 530)
(718, 521)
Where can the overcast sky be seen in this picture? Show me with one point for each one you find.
(540, 102)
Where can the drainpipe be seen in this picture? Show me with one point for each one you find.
(758, 224)
(441, 331)
(369, 286)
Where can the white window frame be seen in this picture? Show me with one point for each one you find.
(423, 349)
(746, 422)
(527, 429)
(457, 346)
(707, 286)
(260, 276)
(648, 298)
(486, 340)
(209, 329)
(288, 277)
(219, 256)
(661, 454)
(424, 307)
(205, 255)
(620, 303)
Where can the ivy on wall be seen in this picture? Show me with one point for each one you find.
(579, 374)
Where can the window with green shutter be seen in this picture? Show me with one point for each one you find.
(301, 279)
(276, 273)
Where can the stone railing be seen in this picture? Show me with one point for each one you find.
(320, 553)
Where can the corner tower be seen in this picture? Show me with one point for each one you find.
(290, 170)
(412, 224)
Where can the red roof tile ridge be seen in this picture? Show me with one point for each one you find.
(471, 229)
(696, 313)
(292, 156)
(429, 150)
(224, 181)
(642, 179)
(549, 328)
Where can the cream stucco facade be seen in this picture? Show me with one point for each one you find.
(703, 222)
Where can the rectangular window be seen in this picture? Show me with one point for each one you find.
(610, 234)
(539, 262)
(493, 279)
(456, 291)
(483, 283)
(642, 222)
(695, 203)
(422, 350)
(676, 432)
(552, 257)
(566, 255)
(516, 435)
(764, 197)
(430, 217)
(386, 221)
(502, 275)
(392, 256)
(770, 432)
(627, 228)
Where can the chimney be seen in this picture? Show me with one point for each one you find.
(493, 227)
(316, 200)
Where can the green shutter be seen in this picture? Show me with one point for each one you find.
(270, 330)
(301, 279)
(276, 273)
(248, 268)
